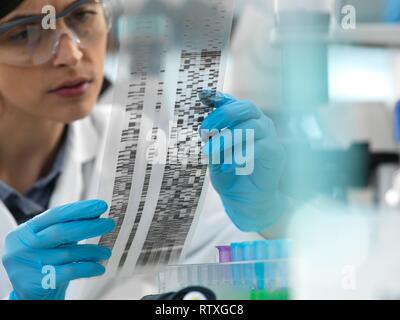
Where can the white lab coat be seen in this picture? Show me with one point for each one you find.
(79, 180)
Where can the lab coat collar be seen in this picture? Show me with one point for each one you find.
(83, 140)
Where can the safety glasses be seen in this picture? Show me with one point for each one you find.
(27, 42)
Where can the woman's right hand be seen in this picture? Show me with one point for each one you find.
(42, 255)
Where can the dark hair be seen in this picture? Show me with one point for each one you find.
(7, 6)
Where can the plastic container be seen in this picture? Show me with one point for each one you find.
(257, 280)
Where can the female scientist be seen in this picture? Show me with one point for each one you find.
(50, 134)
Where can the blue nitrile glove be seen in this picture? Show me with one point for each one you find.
(252, 201)
(50, 240)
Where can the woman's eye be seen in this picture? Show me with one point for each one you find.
(24, 34)
(84, 15)
(19, 36)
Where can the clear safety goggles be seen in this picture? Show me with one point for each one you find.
(27, 42)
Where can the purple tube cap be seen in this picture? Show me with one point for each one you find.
(225, 254)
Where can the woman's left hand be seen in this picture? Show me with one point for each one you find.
(249, 189)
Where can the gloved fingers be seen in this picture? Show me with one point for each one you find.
(248, 131)
(239, 163)
(225, 147)
(243, 137)
(215, 99)
(65, 233)
(81, 210)
(80, 270)
(223, 153)
(229, 116)
(257, 160)
(74, 253)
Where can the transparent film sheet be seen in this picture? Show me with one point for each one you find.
(153, 175)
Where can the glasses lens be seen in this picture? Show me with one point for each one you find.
(18, 44)
(87, 21)
(31, 44)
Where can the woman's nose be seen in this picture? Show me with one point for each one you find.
(67, 52)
